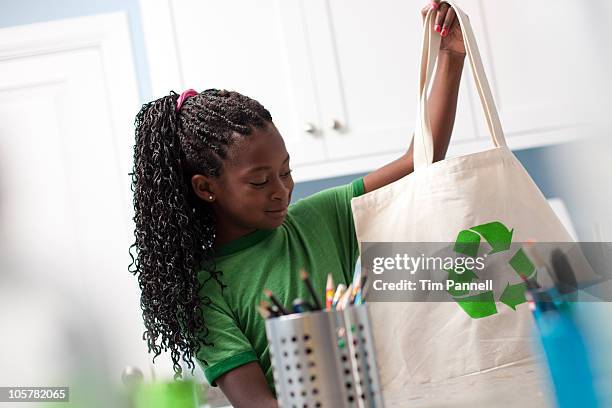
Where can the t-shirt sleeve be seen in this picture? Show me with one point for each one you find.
(230, 348)
(332, 211)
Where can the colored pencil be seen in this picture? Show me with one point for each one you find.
(329, 292)
(339, 292)
(274, 300)
(345, 299)
(313, 293)
(363, 292)
(356, 285)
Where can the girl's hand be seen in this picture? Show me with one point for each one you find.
(447, 25)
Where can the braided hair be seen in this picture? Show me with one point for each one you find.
(174, 229)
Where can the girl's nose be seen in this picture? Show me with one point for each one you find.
(281, 191)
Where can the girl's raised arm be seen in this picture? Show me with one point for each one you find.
(442, 103)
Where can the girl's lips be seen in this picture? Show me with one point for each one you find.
(278, 212)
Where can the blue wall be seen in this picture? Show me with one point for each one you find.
(536, 161)
(542, 163)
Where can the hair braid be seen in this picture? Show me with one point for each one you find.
(174, 229)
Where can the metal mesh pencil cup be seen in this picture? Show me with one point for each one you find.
(324, 359)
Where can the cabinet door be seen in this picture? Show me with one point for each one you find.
(256, 48)
(544, 62)
(366, 60)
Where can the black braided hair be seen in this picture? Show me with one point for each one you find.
(174, 228)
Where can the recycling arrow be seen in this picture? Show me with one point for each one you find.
(513, 295)
(495, 233)
(521, 264)
(479, 305)
(467, 243)
(476, 306)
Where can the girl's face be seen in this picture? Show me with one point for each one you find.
(255, 185)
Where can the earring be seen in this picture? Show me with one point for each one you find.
(210, 197)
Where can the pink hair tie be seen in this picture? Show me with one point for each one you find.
(184, 96)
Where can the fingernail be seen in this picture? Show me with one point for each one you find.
(437, 27)
(434, 5)
(444, 32)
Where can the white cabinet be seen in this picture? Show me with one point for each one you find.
(543, 64)
(340, 76)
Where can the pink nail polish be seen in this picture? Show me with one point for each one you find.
(444, 32)
(434, 6)
(437, 27)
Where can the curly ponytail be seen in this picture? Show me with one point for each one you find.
(174, 229)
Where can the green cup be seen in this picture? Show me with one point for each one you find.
(170, 394)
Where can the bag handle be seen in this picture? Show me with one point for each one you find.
(423, 140)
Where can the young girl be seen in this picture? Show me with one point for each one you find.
(212, 187)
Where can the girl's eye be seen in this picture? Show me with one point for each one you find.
(287, 174)
(259, 184)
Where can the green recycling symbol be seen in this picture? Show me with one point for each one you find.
(499, 238)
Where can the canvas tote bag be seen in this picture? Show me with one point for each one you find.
(425, 341)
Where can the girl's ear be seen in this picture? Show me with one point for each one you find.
(203, 187)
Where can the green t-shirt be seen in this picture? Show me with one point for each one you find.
(318, 234)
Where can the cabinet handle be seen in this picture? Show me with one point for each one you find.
(310, 128)
(336, 124)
